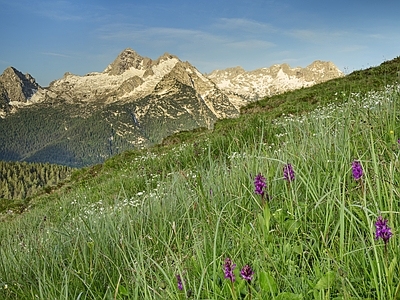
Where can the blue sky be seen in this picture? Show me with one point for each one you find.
(47, 38)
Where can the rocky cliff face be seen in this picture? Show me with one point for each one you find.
(242, 86)
(128, 59)
(15, 87)
(132, 77)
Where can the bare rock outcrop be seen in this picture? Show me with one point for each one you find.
(16, 87)
(125, 60)
(253, 85)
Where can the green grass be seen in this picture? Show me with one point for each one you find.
(126, 228)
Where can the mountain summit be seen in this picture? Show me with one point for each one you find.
(134, 103)
(132, 77)
(253, 85)
(15, 87)
(127, 59)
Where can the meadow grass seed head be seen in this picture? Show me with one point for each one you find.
(357, 170)
(383, 231)
(259, 184)
(247, 273)
(228, 269)
(288, 172)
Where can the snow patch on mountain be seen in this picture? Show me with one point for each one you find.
(242, 86)
(131, 77)
(94, 85)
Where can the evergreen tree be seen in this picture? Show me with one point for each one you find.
(19, 180)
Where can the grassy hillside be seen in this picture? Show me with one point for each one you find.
(161, 223)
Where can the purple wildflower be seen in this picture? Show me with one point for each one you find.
(180, 284)
(259, 184)
(228, 269)
(357, 170)
(288, 172)
(382, 230)
(247, 273)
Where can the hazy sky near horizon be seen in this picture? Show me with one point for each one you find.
(47, 38)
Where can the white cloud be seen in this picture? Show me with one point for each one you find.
(129, 32)
(59, 10)
(3, 62)
(351, 48)
(208, 38)
(55, 54)
(242, 24)
(316, 35)
(251, 44)
(52, 9)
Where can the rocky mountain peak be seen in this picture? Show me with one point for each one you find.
(17, 87)
(278, 78)
(231, 71)
(13, 74)
(322, 69)
(166, 56)
(127, 59)
(131, 77)
(178, 73)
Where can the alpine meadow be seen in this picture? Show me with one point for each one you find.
(297, 198)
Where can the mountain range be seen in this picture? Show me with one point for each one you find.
(134, 103)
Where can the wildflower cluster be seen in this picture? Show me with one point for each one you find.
(179, 280)
(288, 172)
(260, 181)
(246, 272)
(259, 184)
(383, 231)
(357, 170)
(228, 269)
